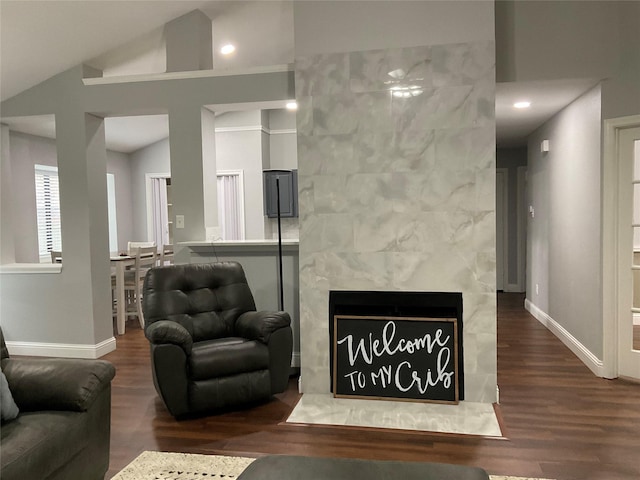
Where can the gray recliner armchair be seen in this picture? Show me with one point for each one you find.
(210, 348)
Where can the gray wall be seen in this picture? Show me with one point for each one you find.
(120, 165)
(567, 39)
(283, 146)
(563, 241)
(153, 159)
(7, 240)
(381, 24)
(240, 144)
(28, 150)
(74, 307)
(283, 154)
(559, 40)
(25, 152)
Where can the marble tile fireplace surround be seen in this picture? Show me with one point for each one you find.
(396, 165)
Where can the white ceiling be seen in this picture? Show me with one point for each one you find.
(39, 39)
(547, 98)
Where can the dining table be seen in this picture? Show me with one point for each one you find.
(120, 262)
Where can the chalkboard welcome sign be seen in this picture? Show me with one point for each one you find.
(401, 358)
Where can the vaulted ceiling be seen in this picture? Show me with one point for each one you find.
(39, 39)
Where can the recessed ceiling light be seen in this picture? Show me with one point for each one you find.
(227, 49)
(292, 106)
(523, 104)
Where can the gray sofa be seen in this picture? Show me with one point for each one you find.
(63, 428)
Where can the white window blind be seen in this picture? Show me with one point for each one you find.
(231, 204)
(48, 209)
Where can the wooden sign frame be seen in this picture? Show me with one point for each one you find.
(379, 347)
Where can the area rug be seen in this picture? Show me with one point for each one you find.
(188, 466)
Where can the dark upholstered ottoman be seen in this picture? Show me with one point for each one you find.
(284, 467)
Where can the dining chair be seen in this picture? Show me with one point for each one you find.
(132, 246)
(145, 258)
(56, 256)
(166, 255)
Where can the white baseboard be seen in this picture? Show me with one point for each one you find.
(583, 353)
(636, 318)
(37, 349)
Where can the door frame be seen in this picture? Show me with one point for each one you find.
(148, 179)
(610, 222)
(503, 174)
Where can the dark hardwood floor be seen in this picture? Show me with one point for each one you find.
(560, 420)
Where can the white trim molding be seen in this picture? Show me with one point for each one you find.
(256, 128)
(154, 77)
(583, 353)
(29, 268)
(610, 240)
(295, 359)
(283, 131)
(64, 350)
(521, 227)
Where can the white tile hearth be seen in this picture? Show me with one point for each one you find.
(466, 418)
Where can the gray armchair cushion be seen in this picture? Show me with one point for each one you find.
(227, 356)
(260, 325)
(206, 301)
(166, 331)
(56, 383)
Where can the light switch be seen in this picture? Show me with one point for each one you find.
(179, 221)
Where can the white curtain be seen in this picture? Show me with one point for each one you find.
(113, 220)
(160, 211)
(230, 213)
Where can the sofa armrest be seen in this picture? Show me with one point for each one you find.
(260, 325)
(56, 383)
(166, 331)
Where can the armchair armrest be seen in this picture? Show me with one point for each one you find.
(166, 331)
(260, 325)
(56, 383)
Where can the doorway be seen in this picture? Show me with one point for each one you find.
(502, 277)
(159, 209)
(621, 247)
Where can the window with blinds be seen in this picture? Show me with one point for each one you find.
(48, 210)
